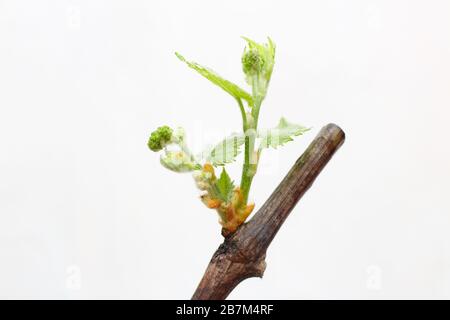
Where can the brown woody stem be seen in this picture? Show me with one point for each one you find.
(242, 254)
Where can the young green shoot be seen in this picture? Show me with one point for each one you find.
(220, 192)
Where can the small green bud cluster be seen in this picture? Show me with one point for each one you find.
(257, 63)
(252, 62)
(179, 160)
(160, 138)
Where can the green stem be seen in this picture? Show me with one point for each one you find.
(251, 158)
(244, 116)
(250, 164)
(246, 181)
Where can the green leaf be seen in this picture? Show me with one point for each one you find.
(281, 134)
(227, 150)
(224, 186)
(233, 89)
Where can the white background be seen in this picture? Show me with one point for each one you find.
(86, 211)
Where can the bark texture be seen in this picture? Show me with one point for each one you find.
(242, 254)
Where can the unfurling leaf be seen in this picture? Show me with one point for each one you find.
(178, 161)
(233, 89)
(227, 150)
(224, 186)
(281, 134)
